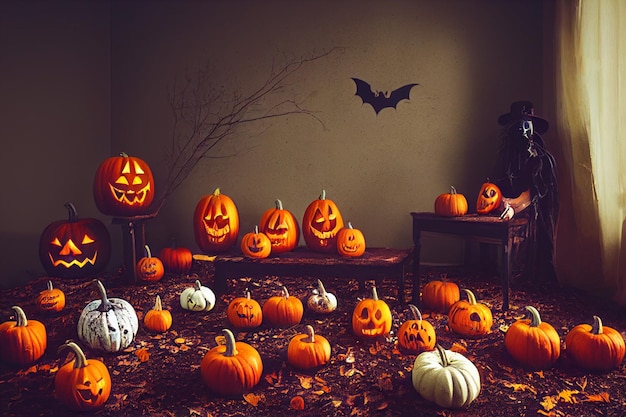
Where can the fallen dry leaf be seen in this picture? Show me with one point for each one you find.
(520, 387)
(306, 382)
(253, 399)
(567, 396)
(601, 397)
(142, 354)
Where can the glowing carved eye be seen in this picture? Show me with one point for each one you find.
(126, 169)
(87, 239)
(136, 180)
(56, 242)
(122, 180)
(138, 169)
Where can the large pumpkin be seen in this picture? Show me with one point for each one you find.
(22, 341)
(489, 198)
(321, 223)
(451, 204)
(123, 186)
(283, 310)
(74, 248)
(371, 317)
(281, 227)
(216, 222)
(233, 368)
(82, 384)
(350, 241)
(532, 342)
(417, 335)
(108, 324)
(439, 295)
(244, 312)
(469, 318)
(308, 350)
(595, 347)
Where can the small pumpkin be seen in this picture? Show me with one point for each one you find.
(157, 319)
(416, 335)
(233, 368)
(451, 204)
(176, 259)
(308, 350)
(256, 244)
(595, 347)
(51, 300)
(469, 318)
(283, 310)
(321, 301)
(123, 186)
(22, 341)
(197, 298)
(350, 241)
(532, 342)
(108, 324)
(244, 312)
(489, 198)
(446, 378)
(281, 227)
(321, 222)
(371, 317)
(216, 222)
(440, 295)
(150, 268)
(82, 384)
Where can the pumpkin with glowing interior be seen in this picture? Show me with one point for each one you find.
(74, 248)
(51, 300)
(350, 241)
(123, 186)
(256, 244)
(82, 384)
(371, 317)
(216, 222)
(321, 222)
(281, 227)
(22, 341)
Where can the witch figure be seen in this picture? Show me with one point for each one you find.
(526, 175)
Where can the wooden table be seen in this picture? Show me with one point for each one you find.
(488, 229)
(374, 263)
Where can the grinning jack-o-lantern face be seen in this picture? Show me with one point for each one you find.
(321, 223)
(417, 335)
(74, 248)
(256, 244)
(244, 312)
(281, 227)
(216, 222)
(489, 198)
(371, 317)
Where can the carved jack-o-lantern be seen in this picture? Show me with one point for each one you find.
(244, 312)
(350, 242)
(256, 244)
(51, 299)
(281, 227)
(75, 247)
(123, 186)
(216, 222)
(150, 268)
(371, 317)
(321, 223)
(417, 335)
(489, 198)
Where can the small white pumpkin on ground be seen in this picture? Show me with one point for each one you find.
(197, 298)
(322, 301)
(446, 378)
(108, 324)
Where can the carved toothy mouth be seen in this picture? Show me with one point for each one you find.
(371, 332)
(347, 248)
(130, 197)
(216, 235)
(80, 264)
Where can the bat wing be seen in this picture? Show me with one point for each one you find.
(364, 90)
(378, 101)
(398, 94)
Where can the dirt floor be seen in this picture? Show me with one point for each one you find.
(159, 374)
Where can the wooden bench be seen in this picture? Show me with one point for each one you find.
(374, 263)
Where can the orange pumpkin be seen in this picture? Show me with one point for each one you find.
(451, 204)
(371, 317)
(321, 223)
(595, 347)
(533, 343)
(216, 222)
(308, 350)
(82, 385)
(177, 260)
(417, 335)
(22, 341)
(123, 186)
(469, 318)
(150, 268)
(233, 368)
(489, 198)
(51, 299)
(283, 310)
(439, 295)
(157, 319)
(256, 245)
(281, 227)
(350, 242)
(244, 312)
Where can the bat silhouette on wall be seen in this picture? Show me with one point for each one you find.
(379, 100)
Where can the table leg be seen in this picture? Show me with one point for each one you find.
(506, 272)
(416, 268)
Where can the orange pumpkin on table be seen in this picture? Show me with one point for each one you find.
(256, 244)
(321, 222)
(281, 227)
(350, 242)
(451, 204)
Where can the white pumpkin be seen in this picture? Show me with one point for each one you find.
(108, 324)
(322, 301)
(197, 298)
(445, 377)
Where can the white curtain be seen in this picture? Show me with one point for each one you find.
(591, 129)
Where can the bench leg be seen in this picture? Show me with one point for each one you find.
(416, 271)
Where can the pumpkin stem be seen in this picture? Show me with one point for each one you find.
(256, 232)
(471, 298)
(216, 192)
(452, 189)
(596, 328)
(535, 318)
(417, 315)
(105, 305)
(310, 334)
(80, 360)
(148, 252)
(248, 295)
(285, 292)
(197, 285)
(49, 285)
(20, 317)
(321, 289)
(157, 303)
(71, 211)
(279, 204)
(374, 293)
(323, 195)
(231, 348)
(442, 353)
(123, 154)
(350, 225)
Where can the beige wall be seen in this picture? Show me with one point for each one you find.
(471, 60)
